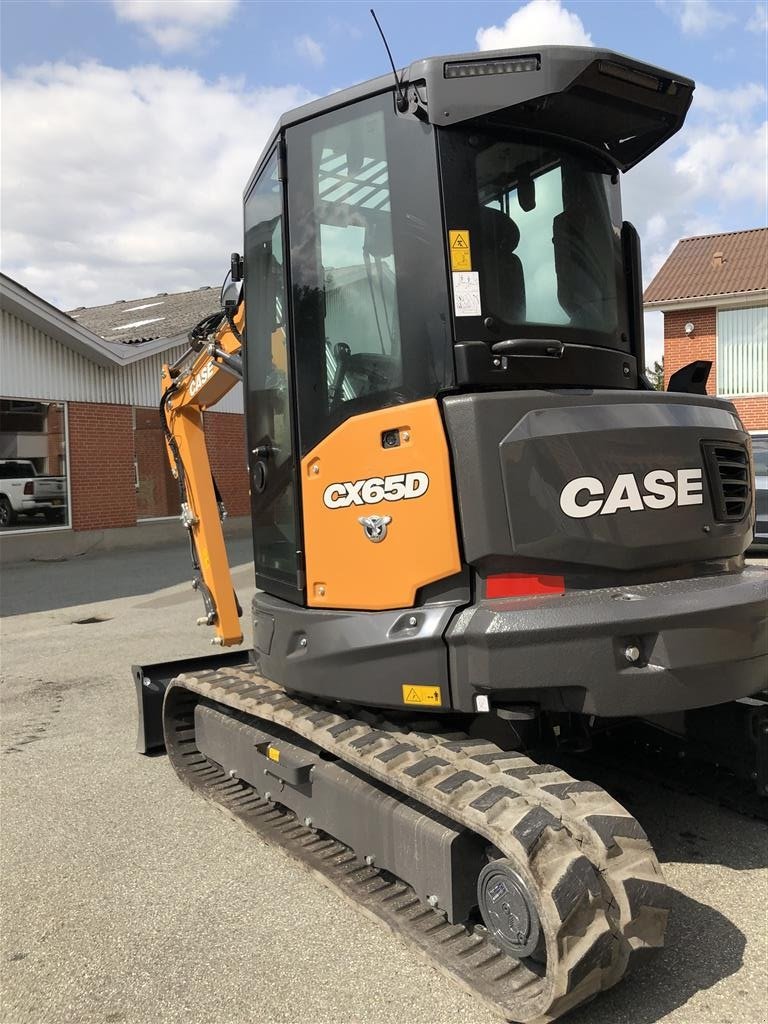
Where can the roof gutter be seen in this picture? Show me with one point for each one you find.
(758, 296)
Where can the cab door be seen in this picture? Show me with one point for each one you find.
(269, 392)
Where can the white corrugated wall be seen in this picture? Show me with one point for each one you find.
(34, 365)
(742, 351)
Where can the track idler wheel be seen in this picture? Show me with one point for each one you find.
(509, 911)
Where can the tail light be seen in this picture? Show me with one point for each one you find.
(29, 487)
(729, 479)
(522, 584)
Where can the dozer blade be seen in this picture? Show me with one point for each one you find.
(152, 681)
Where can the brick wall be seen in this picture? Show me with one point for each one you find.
(102, 445)
(681, 348)
(753, 411)
(158, 493)
(225, 438)
(101, 465)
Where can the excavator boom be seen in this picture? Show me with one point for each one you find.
(203, 376)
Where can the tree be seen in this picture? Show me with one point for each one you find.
(655, 374)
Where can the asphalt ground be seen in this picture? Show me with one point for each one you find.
(127, 899)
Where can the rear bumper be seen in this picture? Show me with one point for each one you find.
(41, 504)
(702, 641)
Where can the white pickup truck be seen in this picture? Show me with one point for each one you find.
(25, 493)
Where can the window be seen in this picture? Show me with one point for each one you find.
(367, 265)
(362, 327)
(268, 372)
(33, 464)
(545, 229)
(742, 351)
(538, 261)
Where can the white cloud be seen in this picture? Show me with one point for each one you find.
(538, 22)
(695, 17)
(729, 160)
(711, 177)
(759, 21)
(175, 25)
(123, 183)
(306, 46)
(730, 102)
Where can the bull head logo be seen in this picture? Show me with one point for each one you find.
(375, 527)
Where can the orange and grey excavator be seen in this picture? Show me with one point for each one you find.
(481, 540)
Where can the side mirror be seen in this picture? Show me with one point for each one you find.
(230, 293)
(692, 378)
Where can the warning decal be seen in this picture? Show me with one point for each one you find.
(466, 294)
(461, 254)
(427, 695)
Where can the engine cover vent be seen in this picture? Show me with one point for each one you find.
(729, 479)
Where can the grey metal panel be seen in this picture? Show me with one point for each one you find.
(36, 365)
(381, 651)
(702, 641)
(431, 853)
(455, 100)
(518, 450)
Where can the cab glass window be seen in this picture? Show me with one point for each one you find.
(545, 228)
(366, 248)
(268, 382)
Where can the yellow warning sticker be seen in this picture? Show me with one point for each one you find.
(429, 695)
(273, 753)
(461, 254)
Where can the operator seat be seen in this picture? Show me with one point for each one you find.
(501, 272)
(585, 265)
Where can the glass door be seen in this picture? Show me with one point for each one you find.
(269, 411)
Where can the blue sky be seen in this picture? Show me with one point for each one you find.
(258, 39)
(129, 126)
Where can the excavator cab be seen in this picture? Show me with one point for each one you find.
(444, 332)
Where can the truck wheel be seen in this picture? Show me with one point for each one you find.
(7, 516)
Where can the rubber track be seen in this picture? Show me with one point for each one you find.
(612, 840)
(601, 897)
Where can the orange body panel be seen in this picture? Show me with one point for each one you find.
(345, 569)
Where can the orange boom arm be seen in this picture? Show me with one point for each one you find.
(187, 391)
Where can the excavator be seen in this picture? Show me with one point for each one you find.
(481, 539)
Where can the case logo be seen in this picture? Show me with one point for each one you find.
(201, 378)
(586, 495)
(398, 487)
(375, 527)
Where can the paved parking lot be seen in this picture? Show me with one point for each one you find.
(125, 898)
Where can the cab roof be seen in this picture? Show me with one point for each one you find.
(607, 99)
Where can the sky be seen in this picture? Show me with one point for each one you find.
(129, 127)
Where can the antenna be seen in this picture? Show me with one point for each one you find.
(402, 102)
